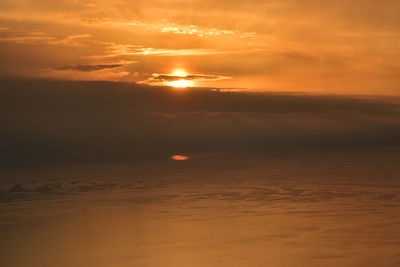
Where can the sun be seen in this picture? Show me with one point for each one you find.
(182, 82)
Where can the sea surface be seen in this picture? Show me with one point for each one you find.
(309, 207)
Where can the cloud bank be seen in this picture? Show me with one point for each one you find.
(58, 120)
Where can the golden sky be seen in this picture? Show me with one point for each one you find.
(336, 46)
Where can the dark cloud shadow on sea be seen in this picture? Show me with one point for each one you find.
(49, 120)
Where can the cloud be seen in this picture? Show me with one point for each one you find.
(165, 26)
(26, 37)
(9, 35)
(156, 78)
(118, 50)
(191, 77)
(113, 121)
(91, 67)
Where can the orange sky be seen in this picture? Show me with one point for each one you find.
(336, 46)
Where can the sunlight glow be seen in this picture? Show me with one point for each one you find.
(180, 73)
(180, 83)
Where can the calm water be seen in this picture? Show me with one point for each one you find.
(308, 208)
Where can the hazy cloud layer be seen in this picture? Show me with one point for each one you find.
(57, 120)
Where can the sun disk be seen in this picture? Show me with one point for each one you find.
(181, 83)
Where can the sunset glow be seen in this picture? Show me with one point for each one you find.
(180, 83)
(214, 133)
(345, 47)
(179, 73)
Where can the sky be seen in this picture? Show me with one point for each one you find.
(324, 47)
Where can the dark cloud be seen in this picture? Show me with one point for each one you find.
(91, 67)
(60, 120)
(160, 78)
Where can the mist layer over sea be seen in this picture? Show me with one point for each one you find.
(309, 207)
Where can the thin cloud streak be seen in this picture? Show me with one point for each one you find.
(91, 67)
(162, 79)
